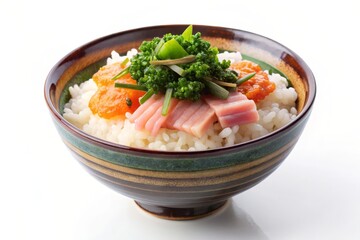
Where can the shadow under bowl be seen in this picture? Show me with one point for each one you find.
(179, 185)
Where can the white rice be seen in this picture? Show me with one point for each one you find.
(275, 111)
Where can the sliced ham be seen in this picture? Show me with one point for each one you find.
(177, 113)
(204, 122)
(235, 110)
(157, 120)
(192, 108)
(194, 118)
(234, 107)
(233, 97)
(146, 114)
(199, 121)
(139, 111)
(238, 118)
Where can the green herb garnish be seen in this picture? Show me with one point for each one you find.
(187, 59)
(130, 86)
(122, 73)
(245, 78)
(216, 90)
(167, 100)
(182, 63)
(266, 66)
(146, 96)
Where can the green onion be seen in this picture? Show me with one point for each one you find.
(171, 50)
(167, 100)
(222, 83)
(177, 69)
(245, 78)
(216, 90)
(122, 73)
(158, 46)
(181, 60)
(266, 66)
(187, 34)
(146, 96)
(130, 86)
(123, 64)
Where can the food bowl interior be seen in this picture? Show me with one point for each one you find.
(81, 64)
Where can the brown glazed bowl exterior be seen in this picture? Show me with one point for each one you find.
(179, 185)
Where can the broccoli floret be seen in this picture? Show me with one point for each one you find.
(157, 78)
(190, 85)
(187, 90)
(141, 61)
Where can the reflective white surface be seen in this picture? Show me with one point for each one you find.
(47, 195)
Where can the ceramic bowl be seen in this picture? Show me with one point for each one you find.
(179, 185)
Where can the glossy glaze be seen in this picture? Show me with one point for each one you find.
(179, 185)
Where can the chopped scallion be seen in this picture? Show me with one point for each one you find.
(122, 73)
(171, 50)
(146, 96)
(181, 60)
(245, 78)
(130, 86)
(177, 69)
(224, 84)
(158, 46)
(123, 64)
(187, 34)
(216, 90)
(167, 101)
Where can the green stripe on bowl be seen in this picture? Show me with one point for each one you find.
(192, 161)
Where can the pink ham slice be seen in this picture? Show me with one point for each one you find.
(194, 118)
(157, 120)
(185, 114)
(203, 123)
(139, 111)
(199, 121)
(238, 118)
(235, 110)
(178, 113)
(142, 115)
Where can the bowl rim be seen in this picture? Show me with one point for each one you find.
(311, 94)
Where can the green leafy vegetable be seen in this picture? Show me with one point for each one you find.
(182, 63)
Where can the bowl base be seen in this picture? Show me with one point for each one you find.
(180, 214)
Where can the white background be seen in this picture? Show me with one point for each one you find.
(45, 193)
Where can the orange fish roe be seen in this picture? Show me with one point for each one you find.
(259, 86)
(105, 74)
(245, 67)
(109, 101)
